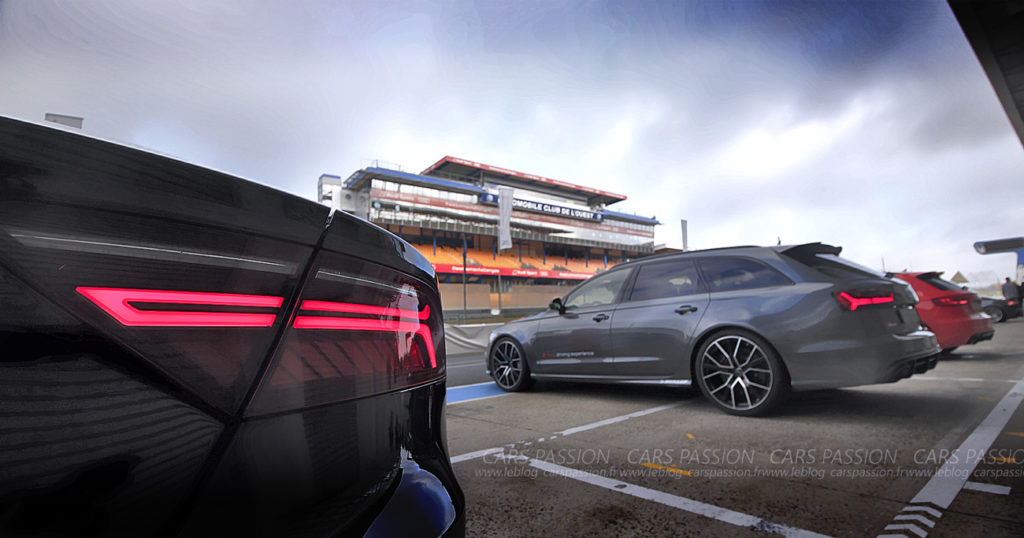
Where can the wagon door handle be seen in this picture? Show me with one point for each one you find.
(600, 317)
(686, 309)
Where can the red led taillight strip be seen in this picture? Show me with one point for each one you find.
(957, 300)
(349, 308)
(116, 302)
(368, 324)
(853, 303)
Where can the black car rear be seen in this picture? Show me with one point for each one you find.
(188, 353)
(1001, 310)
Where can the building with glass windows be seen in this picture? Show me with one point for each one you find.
(561, 232)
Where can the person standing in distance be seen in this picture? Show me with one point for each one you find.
(1010, 291)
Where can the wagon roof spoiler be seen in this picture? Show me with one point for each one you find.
(809, 249)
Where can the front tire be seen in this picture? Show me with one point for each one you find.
(740, 373)
(508, 366)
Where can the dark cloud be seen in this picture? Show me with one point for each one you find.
(871, 111)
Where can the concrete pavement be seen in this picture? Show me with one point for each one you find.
(575, 459)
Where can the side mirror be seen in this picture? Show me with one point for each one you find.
(556, 304)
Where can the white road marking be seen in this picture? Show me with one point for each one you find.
(987, 488)
(915, 517)
(930, 511)
(971, 379)
(912, 528)
(695, 507)
(570, 431)
(900, 519)
(478, 454)
(613, 420)
(950, 479)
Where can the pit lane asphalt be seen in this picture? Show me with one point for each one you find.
(466, 369)
(580, 460)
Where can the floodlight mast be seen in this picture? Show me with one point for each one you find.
(998, 246)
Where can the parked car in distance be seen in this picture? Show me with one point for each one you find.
(745, 324)
(1001, 310)
(188, 353)
(947, 309)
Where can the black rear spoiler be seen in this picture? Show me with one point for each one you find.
(933, 274)
(809, 249)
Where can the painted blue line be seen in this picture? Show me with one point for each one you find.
(472, 392)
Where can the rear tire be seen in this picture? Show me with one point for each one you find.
(996, 314)
(740, 373)
(508, 366)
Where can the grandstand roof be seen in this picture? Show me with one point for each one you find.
(360, 177)
(633, 218)
(466, 168)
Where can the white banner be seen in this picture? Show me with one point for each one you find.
(505, 198)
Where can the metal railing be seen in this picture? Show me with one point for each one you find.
(491, 230)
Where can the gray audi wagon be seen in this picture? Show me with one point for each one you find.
(745, 324)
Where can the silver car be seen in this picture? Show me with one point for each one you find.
(749, 324)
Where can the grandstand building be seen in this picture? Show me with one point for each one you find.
(562, 233)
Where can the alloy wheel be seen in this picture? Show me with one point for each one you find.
(737, 373)
(507, 365)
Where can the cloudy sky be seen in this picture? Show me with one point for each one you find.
(869, 125)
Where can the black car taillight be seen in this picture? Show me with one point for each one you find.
(861, 297)
(370, 318)
(122, 304)
(360, 330)
(199, 308)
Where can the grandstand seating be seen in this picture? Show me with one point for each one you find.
(456, 254)
(428, 252)
(488, 259)
(539, 263)
(581, 266)
(510, 260)
(445, 255)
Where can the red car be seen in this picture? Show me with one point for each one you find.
(951, 312)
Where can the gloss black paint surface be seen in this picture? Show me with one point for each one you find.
(147, 431)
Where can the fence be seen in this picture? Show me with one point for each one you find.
(477, 301)
(534, 296)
